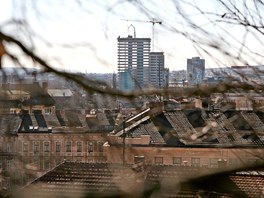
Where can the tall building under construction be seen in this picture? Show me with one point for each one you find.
(133, 62)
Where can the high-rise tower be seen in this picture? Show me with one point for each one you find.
(156, 69)
(133, 62)
(195, 70)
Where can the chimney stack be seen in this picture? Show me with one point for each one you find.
(45, 87)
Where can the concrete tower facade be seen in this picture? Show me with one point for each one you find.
(156, 69)
(195, 70)
(133, 62)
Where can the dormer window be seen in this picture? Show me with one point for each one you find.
(12, 111)
(92, 112)
(47, 110)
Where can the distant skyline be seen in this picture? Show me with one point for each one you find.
(97, 25)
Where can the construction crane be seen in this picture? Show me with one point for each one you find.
(153, 21)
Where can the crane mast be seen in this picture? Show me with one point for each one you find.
(153, 21)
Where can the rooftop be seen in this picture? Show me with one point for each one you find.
(31, 94)
(60, 92)
(77, 179)
(197, 128)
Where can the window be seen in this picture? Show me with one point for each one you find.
(36, 162)
(90, 147)
(9, 164)
(79, 146)
(90, 159)
(68, 146)
(36, 147)
(100, 145)
(213, 163)
(252, 161)
(46, 165)
(46, 147)
(158, 160)
(47, 110)
(25, 147)
(9, 147)
(139, 159)
(196, 162)
(177, 161)
(58, 147)
(232, 162)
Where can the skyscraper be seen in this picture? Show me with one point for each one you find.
(156, 69)
(133, 62)
(195, 70)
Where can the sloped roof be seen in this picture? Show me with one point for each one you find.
(200, 128)
(43, 99)
(60, 92)
(77, 179)
(37, 94)
(101, 121)
(46, 122)
(34, 88)
(9, 104)
(9, 124)
(147, 128)
(250, 182)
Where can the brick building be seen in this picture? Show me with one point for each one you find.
(189, 137)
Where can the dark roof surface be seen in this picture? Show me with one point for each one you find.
(147, 128)
(9, 104)
(9, 124)
(251, 183)
(37, 94)
(43, 99)
(76, 180)
(200, 128)
(34, 88)
(101, 179)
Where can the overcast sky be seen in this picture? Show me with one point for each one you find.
(92, 27)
